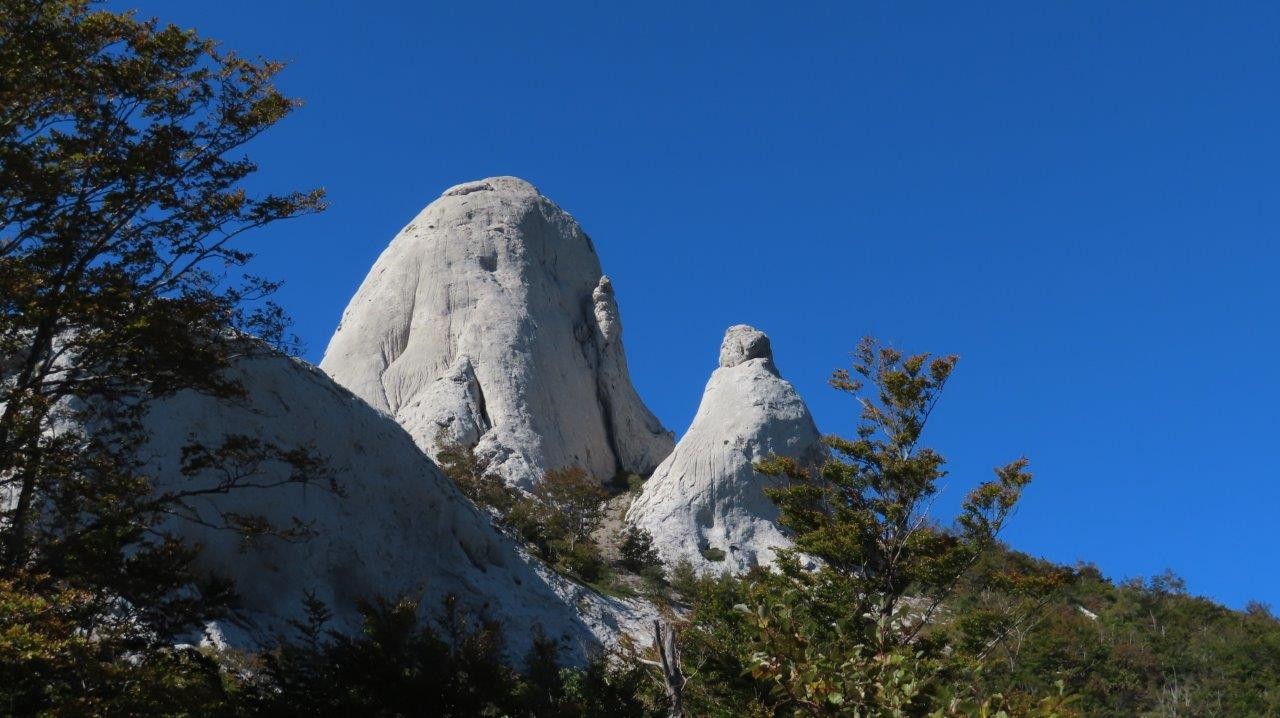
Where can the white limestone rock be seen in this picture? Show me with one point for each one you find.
(399, 528)
(488, 317)
(707, 495)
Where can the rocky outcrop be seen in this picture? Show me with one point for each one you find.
(705, 503)
(488, 321)
(395, 527)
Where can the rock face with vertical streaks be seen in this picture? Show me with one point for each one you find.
(706, 497)
(488, 321)
(395, 525)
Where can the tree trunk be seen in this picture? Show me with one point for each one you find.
(27, 381)
(664, 642)
(15, 542)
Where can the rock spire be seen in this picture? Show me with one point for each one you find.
(705, 503)
(488, 321)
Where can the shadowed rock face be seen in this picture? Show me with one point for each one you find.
(488, 321)
(398, 528)
(706, 494)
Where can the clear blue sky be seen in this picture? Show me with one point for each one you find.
(1080, 199)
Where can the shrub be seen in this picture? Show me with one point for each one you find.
(654, 576)
(555, 521)
(635, 483)
(533, 524)
(472, 476)
(451, 666)
(584, 560)
(712, 553)
(684, 579)
(574, 498)
(636, 547)
(51, 665)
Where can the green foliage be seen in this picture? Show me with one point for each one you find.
(858, 634)
(451, 667)
(123, 197)
(763, 646)
(684, 579)
(584, 560)
(555, 521)
(635, 545)
(655, 578)
(575, 501)
(864, 513)
(711, 553)
(50, 664)
(1137, 648)
(635, 484)
(472, 476)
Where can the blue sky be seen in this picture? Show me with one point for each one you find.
(1080, 199)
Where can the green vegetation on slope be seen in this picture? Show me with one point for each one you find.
(120, 188)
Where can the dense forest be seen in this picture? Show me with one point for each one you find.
(123, 222)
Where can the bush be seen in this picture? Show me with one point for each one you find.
(684, 579)
(575, 499)
(531, 522)
(584, 560)
(712, 553)
(636, 547)
(654, 576)
(472, 476)
(452, 666)
(555, 521)
(51, 665)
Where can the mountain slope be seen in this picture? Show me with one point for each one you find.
(397, 527)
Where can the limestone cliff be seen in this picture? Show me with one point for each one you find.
(487, 320)
(396, 527)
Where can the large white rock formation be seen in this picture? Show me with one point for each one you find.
(488, 321)
(706, 496)
(399, 527)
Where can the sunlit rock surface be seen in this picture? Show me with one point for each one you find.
(488, 321)
(706, 497)
(396, 527)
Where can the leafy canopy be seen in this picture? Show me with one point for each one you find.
(123, 201)
(849, 623)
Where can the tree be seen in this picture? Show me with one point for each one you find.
(865, 514)
(472, 476)
(636, 549)
(574, 499)
(852, 637)
(451, 666)
(122, 201)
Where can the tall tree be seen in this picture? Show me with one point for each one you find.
(844, 626)
(122, 200)
(865, 514)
